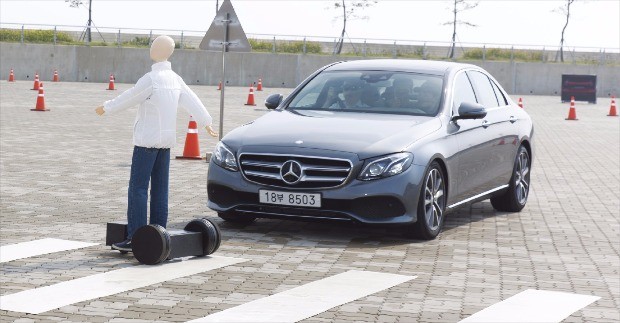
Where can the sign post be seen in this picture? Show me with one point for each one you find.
(225, 24)
(224, 49)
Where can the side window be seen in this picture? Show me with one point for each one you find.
(500, 96)
(463, 92)
(484, 89)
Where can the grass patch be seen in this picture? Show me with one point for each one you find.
(499, 54)
(294, 47)
(34, 36)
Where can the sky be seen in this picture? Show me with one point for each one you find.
(593, 24)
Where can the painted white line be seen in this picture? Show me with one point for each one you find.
(39, 300)
(533, 306)
(310, 299)
(39, 247)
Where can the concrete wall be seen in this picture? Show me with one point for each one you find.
(94, 64)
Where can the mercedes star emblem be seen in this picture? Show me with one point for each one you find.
(291, 172)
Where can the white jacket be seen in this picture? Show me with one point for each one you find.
(159, 93)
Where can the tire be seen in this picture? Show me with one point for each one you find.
(151, 244)
(233, 217)
(431, 204)
(211, 235)
(515, 198)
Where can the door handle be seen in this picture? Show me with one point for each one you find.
(485, 123)
(512, 119)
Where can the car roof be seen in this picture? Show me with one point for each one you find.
(399, 65)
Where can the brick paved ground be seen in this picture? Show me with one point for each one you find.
(64, 174)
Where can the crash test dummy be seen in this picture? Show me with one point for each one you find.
(158, 94)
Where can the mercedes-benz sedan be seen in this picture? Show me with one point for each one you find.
(398, 142)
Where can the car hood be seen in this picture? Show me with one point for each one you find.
(364, 134)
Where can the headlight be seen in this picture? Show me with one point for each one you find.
(223, 157)
(386, 166)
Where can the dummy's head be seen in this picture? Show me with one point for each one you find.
(162, 48)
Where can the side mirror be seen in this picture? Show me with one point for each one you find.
(273, 101)
(468, 110)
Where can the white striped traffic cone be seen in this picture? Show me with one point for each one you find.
(192, 147)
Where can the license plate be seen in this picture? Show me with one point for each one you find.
(290, 198)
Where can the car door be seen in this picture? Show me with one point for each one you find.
(500, 129)
(510, 133)
(475, 142)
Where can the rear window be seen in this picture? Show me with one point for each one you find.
(372, 92)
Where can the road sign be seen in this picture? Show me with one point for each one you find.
(237, 40)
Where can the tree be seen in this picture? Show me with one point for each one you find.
(565, 10)
(349, 12)
(77, 4)
(459, 5)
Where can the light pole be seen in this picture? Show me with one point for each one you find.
(90, 20)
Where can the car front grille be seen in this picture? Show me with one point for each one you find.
(313, 172)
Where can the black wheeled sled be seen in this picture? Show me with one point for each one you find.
(152, 244)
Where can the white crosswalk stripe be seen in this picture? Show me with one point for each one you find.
(292, 305)
(533, 306)
(310, 299)
(39, 300)
(39, 247)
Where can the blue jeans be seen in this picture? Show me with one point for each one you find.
(148, 164)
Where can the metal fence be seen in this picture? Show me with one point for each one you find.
(395, 48)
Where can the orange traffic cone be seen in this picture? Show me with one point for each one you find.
(11, 76)
(36, 82)
(219, 87)
(520, 103)
(259, 87)
(572, 114)
(251, 96)
(111, 84)
(612, 109)
(192, 148)
(40, 100)
(56, 78)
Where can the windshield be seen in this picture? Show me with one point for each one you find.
(373, 92)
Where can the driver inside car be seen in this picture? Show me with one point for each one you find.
(428, 97)
(399, 94)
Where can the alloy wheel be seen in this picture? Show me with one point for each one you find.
(434, 199)
(522, 177)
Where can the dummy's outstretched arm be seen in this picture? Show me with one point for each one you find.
(192, 104)
(134, 96)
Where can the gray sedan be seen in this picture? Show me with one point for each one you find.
(398, 142)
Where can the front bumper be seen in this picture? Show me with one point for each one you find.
(384, 201)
